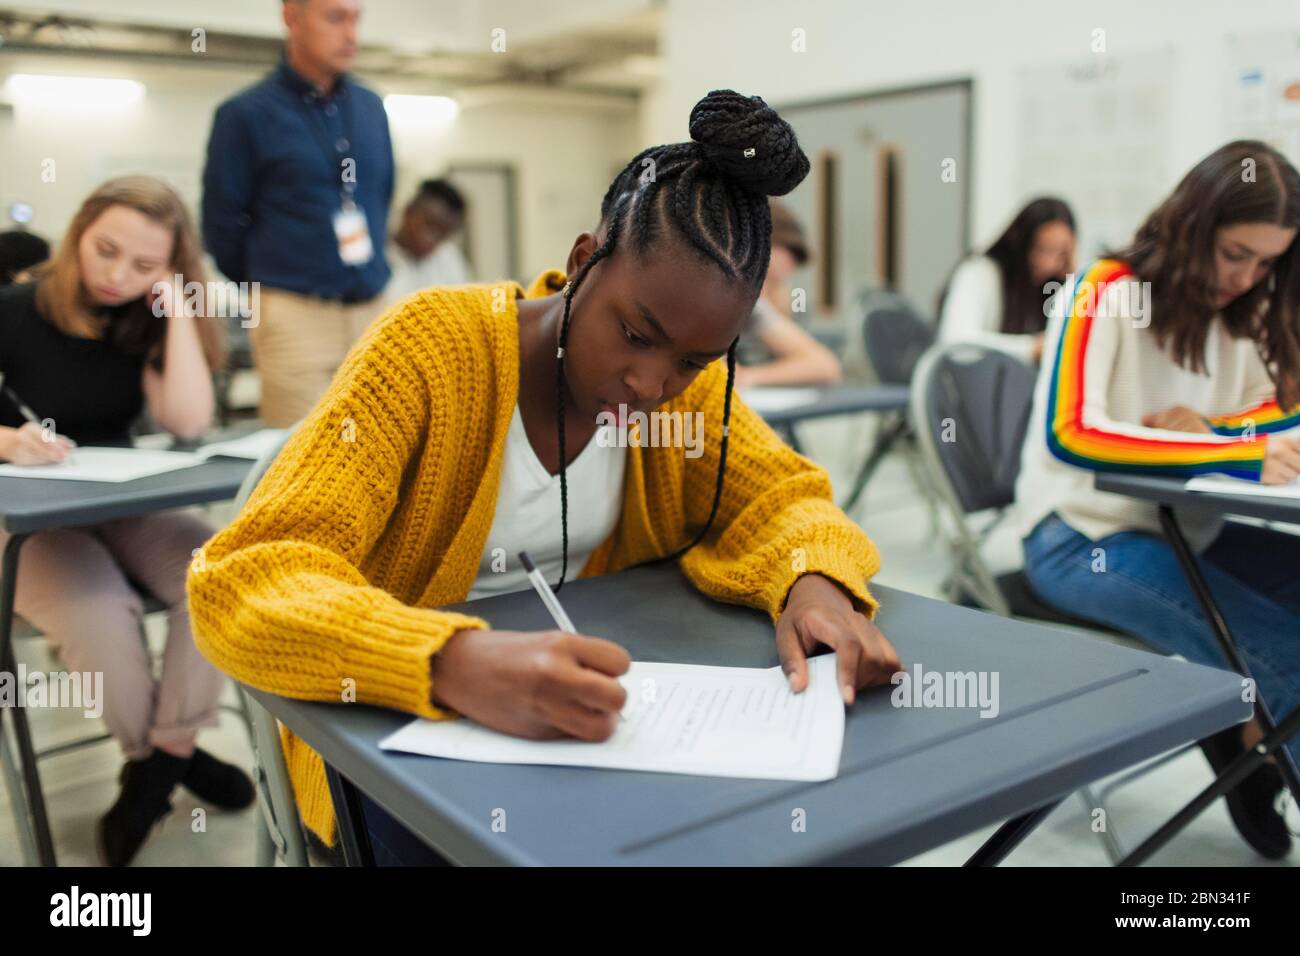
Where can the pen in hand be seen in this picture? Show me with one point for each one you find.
(550, 600)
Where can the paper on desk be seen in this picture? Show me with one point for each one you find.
(771, 398)
(1227, 485)
(679, 718)
(246, 446)
(92, 463)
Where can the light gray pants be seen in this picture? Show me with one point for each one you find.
(73, 586)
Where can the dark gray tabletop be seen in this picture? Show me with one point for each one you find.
(843, 400)
(1072, 709)
(34, 504)
(1170, 491)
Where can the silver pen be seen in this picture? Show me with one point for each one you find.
(546, 594)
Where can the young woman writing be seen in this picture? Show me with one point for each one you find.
(1181, 356)
(463, 422)
(83, 347)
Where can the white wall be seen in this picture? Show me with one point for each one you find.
(565, 149)
(864, 45)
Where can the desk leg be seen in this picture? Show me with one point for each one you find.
(888, 433)
(1009, 836)
(350, 820)
(33, 796)
(1233, 774)
(1219, 626)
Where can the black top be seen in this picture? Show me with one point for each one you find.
(89, 387)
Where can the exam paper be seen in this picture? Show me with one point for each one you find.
(679, 718)
(93, 463)
(1225, 484)
(772, 398)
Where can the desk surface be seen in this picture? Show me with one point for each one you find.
(843, 400)
(1072, 709)
(34, 504)
(1170, 491)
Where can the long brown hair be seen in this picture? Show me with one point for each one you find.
(1246, 181)
(63, 300)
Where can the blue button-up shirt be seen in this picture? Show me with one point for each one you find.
(274, 178)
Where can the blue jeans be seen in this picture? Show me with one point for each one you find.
(1253, 573)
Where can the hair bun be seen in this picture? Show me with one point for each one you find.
(748, 142)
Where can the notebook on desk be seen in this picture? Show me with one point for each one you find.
(94, 463)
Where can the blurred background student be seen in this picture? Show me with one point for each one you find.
(296, 190)
(20, 250)
(84, 348)
(778, 351)
(423, 252)
(998, 299)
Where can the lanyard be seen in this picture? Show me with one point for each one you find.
(334, 156)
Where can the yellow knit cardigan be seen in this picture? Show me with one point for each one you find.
(377, 511)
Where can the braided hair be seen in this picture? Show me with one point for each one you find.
(710, 195)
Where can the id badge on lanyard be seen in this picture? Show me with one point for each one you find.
(353, 232)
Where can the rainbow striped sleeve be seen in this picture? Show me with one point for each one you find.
(1119, 446)
(1267, 416)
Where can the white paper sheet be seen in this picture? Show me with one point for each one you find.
(770, 398)
(679, 718)
(1227, 485)
(92, 463)
(246, 446)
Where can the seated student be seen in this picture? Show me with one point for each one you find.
(422, 252)
(463, 425)
(998, 299)
(83, 348)
(783, 353)
(19, 251)
(1178, 356)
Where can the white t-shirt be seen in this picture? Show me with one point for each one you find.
(972, 310)
(528, 511)
(446, 265)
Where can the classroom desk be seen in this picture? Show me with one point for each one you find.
(1170, 494)
(29, 505)
(1072, 709)
(841, 400)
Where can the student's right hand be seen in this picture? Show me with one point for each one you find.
(1281, 461)
(27, 445)
(535, 684)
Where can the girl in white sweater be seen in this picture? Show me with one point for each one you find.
(997, 299)
(1181, 356)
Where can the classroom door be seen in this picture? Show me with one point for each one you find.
(886, 204)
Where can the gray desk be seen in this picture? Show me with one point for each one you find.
(1171, 496)
(1072, 710)
(29, 505)
(842, 400)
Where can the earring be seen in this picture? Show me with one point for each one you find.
(565, 290)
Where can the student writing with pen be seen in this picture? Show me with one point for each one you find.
(463, 428)
(83, 348)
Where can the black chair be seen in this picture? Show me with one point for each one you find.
(895, 336)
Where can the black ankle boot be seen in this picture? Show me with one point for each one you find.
(145, 799)
(1251, 804)
(221, 784)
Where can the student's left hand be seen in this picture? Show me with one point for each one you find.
(817, 612)
(1180, 418)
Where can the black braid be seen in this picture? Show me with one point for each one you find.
(712, 192)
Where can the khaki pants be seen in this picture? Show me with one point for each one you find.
(298, 343)
(74, 585)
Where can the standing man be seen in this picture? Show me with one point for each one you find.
(423, 251)
(296, 190)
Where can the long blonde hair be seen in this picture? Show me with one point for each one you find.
(61, 296)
